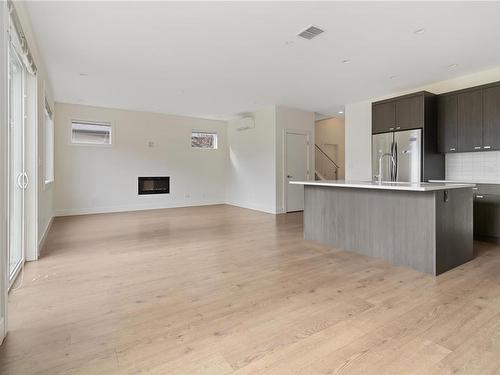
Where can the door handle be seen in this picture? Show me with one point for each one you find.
(288, 176)
(477, 147)
(487, 147)
(479, 196)
(452, 149)
(26, 180)
(19, 183)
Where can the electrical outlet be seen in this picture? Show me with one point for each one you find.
(151, 144)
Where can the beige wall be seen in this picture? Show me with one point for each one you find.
(104, 178)
(332, 132)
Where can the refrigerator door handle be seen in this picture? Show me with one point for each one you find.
(395, 161)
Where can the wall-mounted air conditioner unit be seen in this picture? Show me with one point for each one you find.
(246, 123)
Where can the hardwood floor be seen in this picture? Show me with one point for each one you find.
(224, 290)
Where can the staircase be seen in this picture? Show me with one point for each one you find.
(326, 168)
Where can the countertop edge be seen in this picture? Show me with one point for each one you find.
(366, 185)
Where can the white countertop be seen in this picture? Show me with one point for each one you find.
(407, 186)
(466, 182)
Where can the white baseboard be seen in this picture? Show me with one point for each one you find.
(268, 210)
(104, 210)
(42, 240)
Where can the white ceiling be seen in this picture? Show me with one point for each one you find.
(216, 60)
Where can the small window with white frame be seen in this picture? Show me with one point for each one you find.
(49, 144)
(90, 132)
(204, 139)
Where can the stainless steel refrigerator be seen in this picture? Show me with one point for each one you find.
(401, 154)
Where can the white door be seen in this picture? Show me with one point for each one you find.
(297, 150)
(17, 176)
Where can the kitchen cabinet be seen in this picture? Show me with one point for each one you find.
(470, 120)
(383, 117)
(402, 113)
(447, 113)
(487, 212)
(491, 118)
(410, 113)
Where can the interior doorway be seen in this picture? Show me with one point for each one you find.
(296, 168)
(329, 151)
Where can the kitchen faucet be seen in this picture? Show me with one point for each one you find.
(380, 158)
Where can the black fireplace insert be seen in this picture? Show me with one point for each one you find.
(154, 185)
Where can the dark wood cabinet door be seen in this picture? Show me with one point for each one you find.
(383, 117)
(470, 120)
(410, 113)
(447, 112)
(491, 118)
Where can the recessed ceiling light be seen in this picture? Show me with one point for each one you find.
(83, 74)
(341, 112)
(451, 66)
(346, 61)
(419, 31)
(289, 42)
(393, 77)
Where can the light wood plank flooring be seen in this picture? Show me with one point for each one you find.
(224, 290)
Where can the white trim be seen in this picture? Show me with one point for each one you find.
(41, 243)
(4, 273)
(111, 209)
(308, 135)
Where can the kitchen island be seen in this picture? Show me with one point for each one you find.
(424, 226)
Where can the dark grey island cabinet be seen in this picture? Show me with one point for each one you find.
(426, 227)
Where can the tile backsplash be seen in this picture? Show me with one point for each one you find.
(473, 166)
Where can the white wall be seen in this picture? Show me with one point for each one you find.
(290, 119)
(251, 163)
(331, 131)
(358, 120)
(104, 179)
(255, 167)
(358, 135)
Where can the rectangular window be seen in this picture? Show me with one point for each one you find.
(90, 133)
(49, 146)
(201, 139)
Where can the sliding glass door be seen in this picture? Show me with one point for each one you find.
(17, 177)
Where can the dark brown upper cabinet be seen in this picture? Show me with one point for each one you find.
(383, 117)
(475, 114)
(491, 118)
(401, 113)
(410, 113)
(470, 120)
(447, 114)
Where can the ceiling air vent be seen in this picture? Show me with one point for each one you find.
(310, 32)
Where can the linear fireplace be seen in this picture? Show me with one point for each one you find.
(154, 185)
